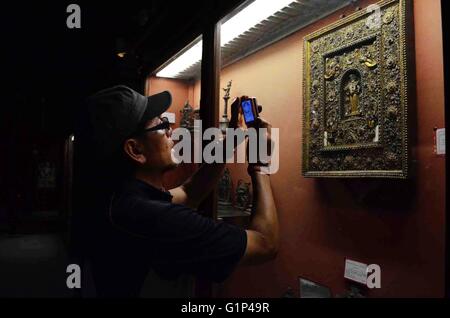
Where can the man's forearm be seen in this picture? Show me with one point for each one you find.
(202, 182)
(264, 217)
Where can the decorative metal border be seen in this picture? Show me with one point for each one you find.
(371, 38)
(406, 28)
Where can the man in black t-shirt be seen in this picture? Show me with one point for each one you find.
(143, 231)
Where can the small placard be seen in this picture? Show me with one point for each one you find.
(440, 141)
(356, 271)
(169, 116)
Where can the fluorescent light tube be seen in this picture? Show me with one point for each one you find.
(183, 62)
(243, 21)
(250, 16)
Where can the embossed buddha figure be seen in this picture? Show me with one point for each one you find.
(352, 91)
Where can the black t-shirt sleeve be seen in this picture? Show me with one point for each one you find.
(181, 241)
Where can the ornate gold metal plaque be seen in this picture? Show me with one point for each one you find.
(356, 87)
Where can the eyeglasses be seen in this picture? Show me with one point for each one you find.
(164, 125)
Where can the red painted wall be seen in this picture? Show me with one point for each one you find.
(396, 224)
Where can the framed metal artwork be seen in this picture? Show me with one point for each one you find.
(358, 87)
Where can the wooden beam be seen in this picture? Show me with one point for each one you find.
(210, 81)
(209, 113)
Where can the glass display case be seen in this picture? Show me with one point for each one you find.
(318, 67)
(257, 51)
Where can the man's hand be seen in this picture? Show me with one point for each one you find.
(256, 167)
(235, 110)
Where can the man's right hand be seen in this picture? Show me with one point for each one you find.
(256, 167)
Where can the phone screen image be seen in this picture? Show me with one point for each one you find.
(248, 112)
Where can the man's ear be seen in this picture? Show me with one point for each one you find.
(133, 149)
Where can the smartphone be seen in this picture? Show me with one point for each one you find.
(249, 110)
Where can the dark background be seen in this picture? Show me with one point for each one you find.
(50, 68)
(47, 72)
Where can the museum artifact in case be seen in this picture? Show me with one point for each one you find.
(358, 88)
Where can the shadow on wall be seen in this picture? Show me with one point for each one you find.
(373, 195)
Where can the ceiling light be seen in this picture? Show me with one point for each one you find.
(250, 16)
(243, 21)
(183, 62)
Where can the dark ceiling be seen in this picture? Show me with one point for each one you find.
(48, 68)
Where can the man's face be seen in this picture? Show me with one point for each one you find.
(154, 148)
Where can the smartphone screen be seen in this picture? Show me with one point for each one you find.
(248, 111)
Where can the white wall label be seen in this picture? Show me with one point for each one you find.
(356, 271)
(440, 141)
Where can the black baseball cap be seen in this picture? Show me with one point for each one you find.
(118, 112)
